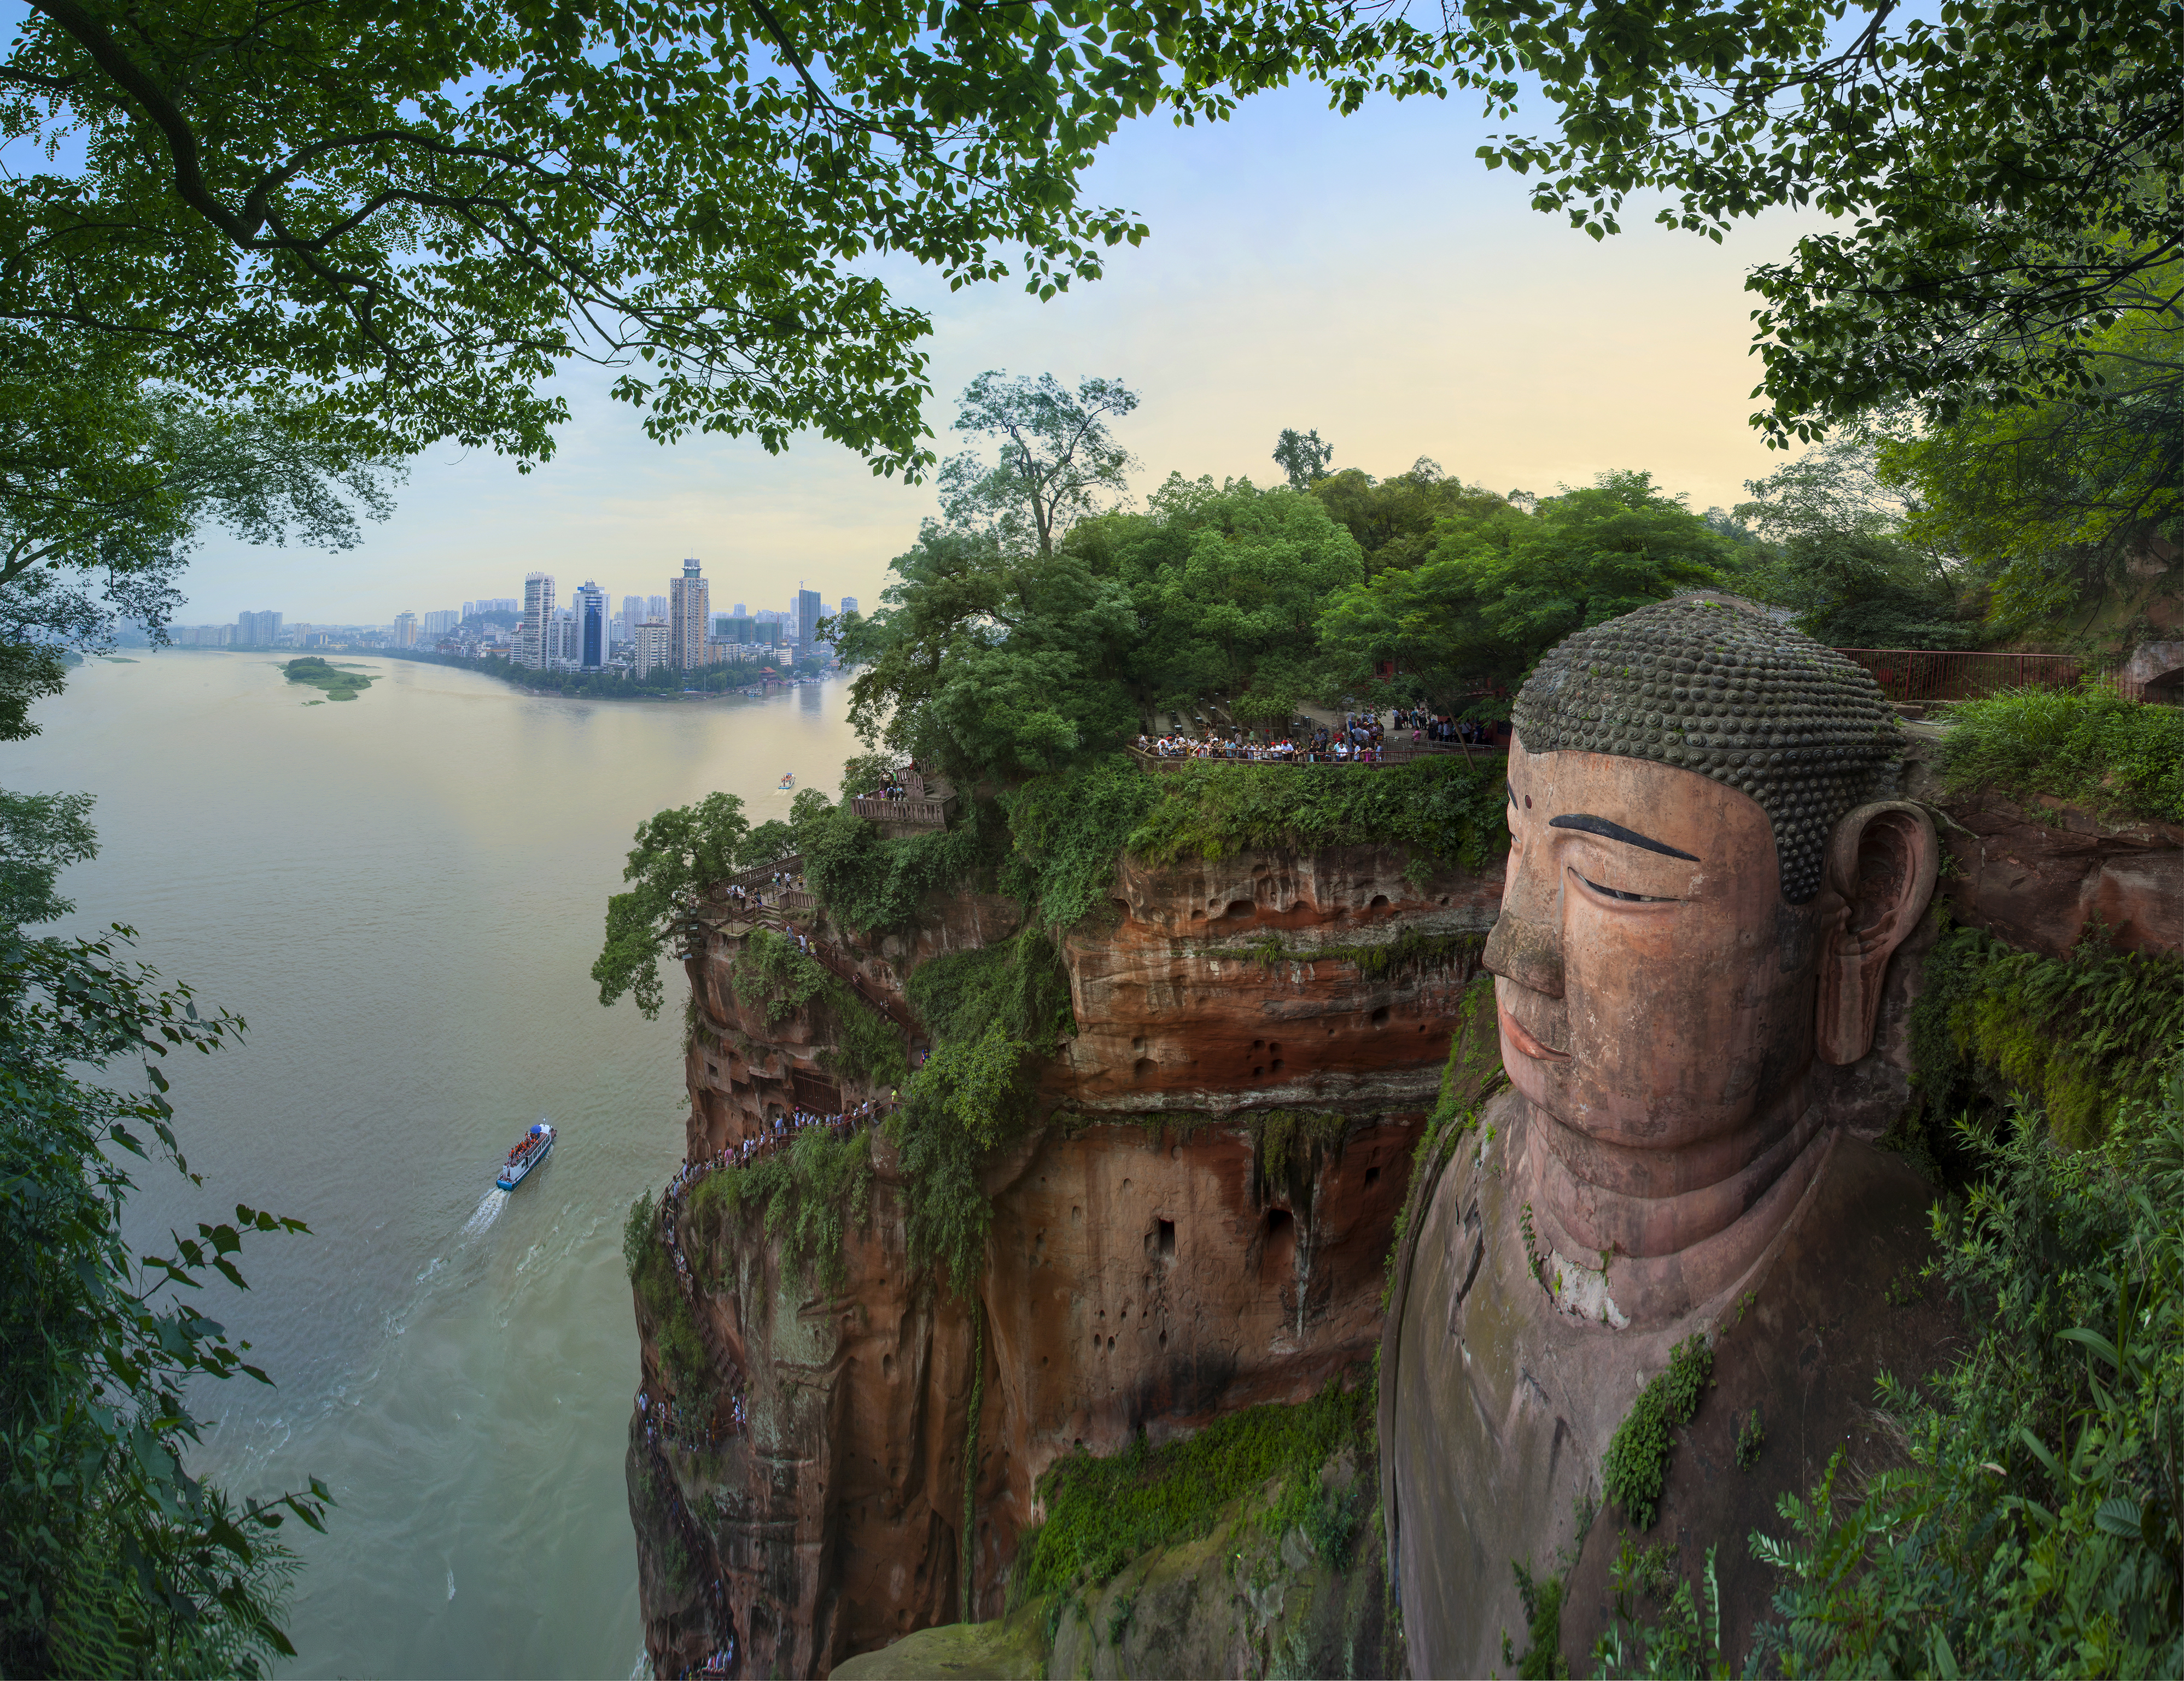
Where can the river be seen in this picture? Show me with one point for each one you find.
(402, 895)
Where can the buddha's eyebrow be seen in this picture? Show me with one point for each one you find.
(1616, 832)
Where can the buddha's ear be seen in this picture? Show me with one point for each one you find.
(1882, 861)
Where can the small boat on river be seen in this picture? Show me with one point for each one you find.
(787, 781)
(538, 1143)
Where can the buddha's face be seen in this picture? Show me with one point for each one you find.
(1654, 991)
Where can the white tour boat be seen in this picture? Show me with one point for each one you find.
(538, 1143)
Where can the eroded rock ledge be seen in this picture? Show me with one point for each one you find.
(1150, 1267)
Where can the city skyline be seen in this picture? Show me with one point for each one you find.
(1272, 293)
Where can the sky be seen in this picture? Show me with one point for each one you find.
(1365, 276)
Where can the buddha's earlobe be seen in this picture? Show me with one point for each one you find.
(1882, 863)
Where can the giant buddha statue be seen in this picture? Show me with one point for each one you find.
(1707, 879)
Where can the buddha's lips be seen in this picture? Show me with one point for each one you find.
(1513, 1030)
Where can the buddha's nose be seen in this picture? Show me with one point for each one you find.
(1526, 952)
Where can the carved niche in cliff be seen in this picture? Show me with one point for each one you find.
(1706, 881)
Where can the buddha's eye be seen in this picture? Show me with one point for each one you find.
(1627, 898)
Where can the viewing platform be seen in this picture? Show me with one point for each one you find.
(926, 803)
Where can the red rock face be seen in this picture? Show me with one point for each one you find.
(2040, 877)
(1158, 1258)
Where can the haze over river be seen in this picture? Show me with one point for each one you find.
(402, 895)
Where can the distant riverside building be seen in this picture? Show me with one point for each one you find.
(531, 641)
(498, 604)
(438, 625)
(257, 630)
(735, 627)
(687, 617)
(564, 640)
(740, 613)
(591, 638)
(405, 630)
(849, 605)
(655, 607)
(201, 635)
(807, 611)
(648, 636)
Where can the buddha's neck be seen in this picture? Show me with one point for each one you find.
(1666, 1222)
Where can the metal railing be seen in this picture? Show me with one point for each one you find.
(1915, 676)
(930, 814)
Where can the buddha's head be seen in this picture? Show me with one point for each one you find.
(1706, 881)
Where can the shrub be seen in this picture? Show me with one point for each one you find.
(2035, 1528)
(1636, 1467)
(809, 1196)
(2081, 1036)
(2090, 747)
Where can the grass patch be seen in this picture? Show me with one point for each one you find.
(1445, 808)
(2090, 747)
(1101, 1513)
(1635, 1467)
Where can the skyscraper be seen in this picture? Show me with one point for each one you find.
(405, 630)
(740, 614)
(434, 626)
(591, 626)
(531, 641)
(655, 607)
(687, 608)
(849, 605)
(807, 615)
(650, 637)
(259, 630)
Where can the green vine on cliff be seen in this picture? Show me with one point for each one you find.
(1472, 1074)
(994, 1013)
(808, 1195)
(774, 972)
(972, 1415)
(2082, 1035)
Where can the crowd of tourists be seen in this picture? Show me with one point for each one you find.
(1361, 738)
(782, 1130)
(754, 897)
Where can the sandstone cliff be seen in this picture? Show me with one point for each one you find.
(1198, 1223)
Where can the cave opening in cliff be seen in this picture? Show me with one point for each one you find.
(1164, 1239)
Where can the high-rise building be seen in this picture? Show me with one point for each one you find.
(257, 630)
(566, 644)
(807, 612)
(405, 630)
(531, 641)
(655, 607)
(591, 626)
(849, 605)
(498, 603)
(740, 614)
(434, 626)
(687, 598)
(650, 637)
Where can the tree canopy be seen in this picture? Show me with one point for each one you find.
(1997, 178)
(407, 230)
(1499, 588)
